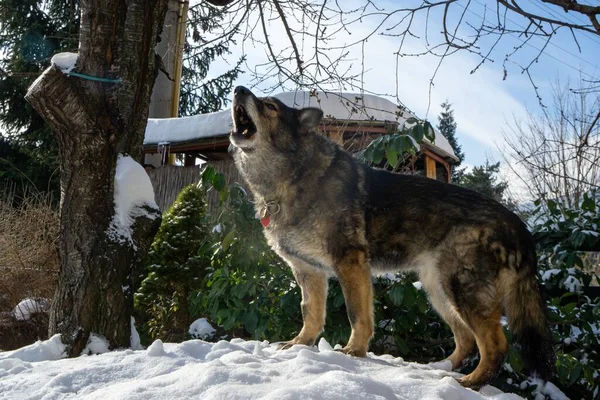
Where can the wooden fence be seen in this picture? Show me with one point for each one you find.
(169, 180)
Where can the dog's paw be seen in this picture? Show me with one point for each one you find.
(467, 382)
(296, 340)
(286, 345)
(355, 352)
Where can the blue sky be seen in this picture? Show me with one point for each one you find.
(484, 103)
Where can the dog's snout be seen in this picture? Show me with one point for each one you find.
(241, 91)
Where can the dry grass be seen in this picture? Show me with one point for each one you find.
(28, 248)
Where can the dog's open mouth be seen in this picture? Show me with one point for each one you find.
(243, 123)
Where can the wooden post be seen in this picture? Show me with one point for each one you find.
(164, 102)
(430, 167)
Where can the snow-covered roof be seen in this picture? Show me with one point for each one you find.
(351, 107)
(346, 106)
(184, 129)
(356, 107)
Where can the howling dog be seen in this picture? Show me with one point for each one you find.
(328, 215)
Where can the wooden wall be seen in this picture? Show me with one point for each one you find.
(169, 180)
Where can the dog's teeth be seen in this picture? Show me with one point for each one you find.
(245, 132)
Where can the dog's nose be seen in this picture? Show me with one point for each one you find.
(241, 91)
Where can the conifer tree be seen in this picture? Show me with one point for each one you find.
(447, 127)
(484, 179)
(174, 266)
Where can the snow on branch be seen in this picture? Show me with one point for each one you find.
(134, 197)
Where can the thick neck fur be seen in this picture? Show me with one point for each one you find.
(273, 174)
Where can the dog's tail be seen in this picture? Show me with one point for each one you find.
(527, 319)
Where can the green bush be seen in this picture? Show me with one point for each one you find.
(571, 283)
(176, 267)
(248, 290)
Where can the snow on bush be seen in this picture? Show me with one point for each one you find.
(27, 307)
(234, 370)
(201, 329)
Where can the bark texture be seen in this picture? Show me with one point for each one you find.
(93, 123)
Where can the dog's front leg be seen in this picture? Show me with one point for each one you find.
(354, 276)
(313, 284)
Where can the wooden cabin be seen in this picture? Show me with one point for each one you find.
(352, 120)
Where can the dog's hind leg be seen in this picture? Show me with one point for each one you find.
(492, 345)
(313, 284)
(354, 276)
(464, 338)
(478, 301)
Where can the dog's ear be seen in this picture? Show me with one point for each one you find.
(309, 118)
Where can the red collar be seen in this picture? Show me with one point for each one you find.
(265, 221)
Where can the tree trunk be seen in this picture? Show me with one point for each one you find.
(93, 123)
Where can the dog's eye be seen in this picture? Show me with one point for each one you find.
(271, 106)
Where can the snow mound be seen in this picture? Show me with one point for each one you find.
(65, 61)
(133, 190)
(27, 307)
(51, 349)
(156, 349)
(97, 344)
(201, 329)
(236, 369)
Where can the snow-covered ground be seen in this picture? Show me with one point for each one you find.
(235, 369)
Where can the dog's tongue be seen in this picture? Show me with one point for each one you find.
(265, 221)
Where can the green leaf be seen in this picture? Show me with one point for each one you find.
(411, 120)
(515, 361)
(417, 132)
(219, 181)
(429, 131)
(208, 175)
(396, 294)
(368, 154)
(377, 155)
(250, 322)
(228, 239)
(392, 157)
(402, 144)
(574, 375)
